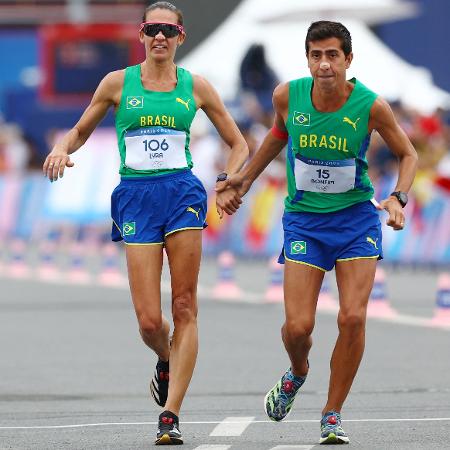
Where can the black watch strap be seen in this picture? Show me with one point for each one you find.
(402, 197)
(222, 177)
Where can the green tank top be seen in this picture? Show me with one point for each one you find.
(326, 155)
(153, 128)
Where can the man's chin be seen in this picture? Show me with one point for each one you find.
(326, 82)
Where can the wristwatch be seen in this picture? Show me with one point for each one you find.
(402, 197)
(222, 177)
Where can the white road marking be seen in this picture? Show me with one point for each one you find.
(403, 319)
(293, 447)
(121, 424)
(232, 426)
(212, 447)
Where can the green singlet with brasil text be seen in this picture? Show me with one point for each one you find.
(153, 128)
(326, 156)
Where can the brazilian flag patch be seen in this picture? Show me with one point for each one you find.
(298, 248)
(300, 118)
(129, 228)
(135, 102)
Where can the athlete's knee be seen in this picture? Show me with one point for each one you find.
(149, 325)
(352, 322)
(184, 308)
(296, 329)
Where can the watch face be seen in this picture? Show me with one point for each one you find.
(403, 198)
(221, 177)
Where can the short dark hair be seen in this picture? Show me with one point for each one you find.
(164, 5)
(324, 29)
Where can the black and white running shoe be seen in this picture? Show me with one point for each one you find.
(168, 430)
(159, 384)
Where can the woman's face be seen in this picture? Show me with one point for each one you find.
(161, 48)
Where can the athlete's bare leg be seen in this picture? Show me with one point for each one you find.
(355, 280)
(301, 290)
(144, 274)
(184, 253)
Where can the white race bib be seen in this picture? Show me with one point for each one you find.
(155, 148)
(333, 177)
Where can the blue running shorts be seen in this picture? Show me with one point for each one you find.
(145, 210)
(321, 239)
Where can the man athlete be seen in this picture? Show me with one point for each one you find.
(329, 220)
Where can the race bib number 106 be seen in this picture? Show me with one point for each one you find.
(155, 148)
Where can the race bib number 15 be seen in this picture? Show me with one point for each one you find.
(332, 177)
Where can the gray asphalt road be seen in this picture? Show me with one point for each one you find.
(72, 367)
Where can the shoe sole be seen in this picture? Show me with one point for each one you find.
(333, 439)
(165, 439)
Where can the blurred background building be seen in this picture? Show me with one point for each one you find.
(54, 53)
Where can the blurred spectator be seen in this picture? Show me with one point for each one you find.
(443, 173)
(430, 135)
(35, 159)
(257, 82)
(382, 162)
(206, 148)
(15, 151)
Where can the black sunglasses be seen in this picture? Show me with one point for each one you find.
(169, 30)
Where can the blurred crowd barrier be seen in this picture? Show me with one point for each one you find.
(73, 214)
(75, 211)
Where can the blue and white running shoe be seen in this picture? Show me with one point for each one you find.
(331, 429)
(279, 400)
